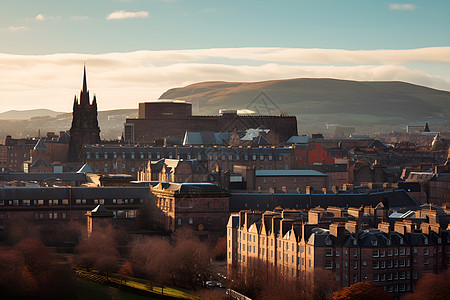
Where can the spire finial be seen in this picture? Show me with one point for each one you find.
(84, 79)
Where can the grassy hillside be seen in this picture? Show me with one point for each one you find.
(370, 106)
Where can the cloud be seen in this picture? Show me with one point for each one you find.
(18, 28)
(396, 6)
(40, 17)
(79, 18)
(122, 80)
(122, 14)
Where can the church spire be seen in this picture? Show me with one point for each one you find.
(84, 80)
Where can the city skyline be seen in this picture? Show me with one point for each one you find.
(136, 50)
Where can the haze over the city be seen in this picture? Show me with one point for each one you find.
(135, 50)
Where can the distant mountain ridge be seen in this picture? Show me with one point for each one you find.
(28, 114)
(369, 105)
(110, 122)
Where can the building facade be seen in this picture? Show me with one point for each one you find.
(344, 252)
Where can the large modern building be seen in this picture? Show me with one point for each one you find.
(172, 118)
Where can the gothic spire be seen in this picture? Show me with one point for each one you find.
(84, 80)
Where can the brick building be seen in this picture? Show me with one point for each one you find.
(53, 209)
(340, 249)
(172, 118)
(200, 206)
(283, 180)
(129, 159)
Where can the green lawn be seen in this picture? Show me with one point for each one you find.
(89, 290)
(131, 282)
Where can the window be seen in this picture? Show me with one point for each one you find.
(426, 261)
(328, 264)
(415, 250)
(426, 251)
(355, 253)
(179, 221)
(390, 252)
(355, 265)
(337, 252)
(375, 265)
(329, 252)
(355, 277)
(375, 253)
(376, 277)
(191, 221)
(402, 251)
(382, 253)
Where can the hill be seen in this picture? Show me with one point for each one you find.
(369, 106)
(27, 114)
(110, 122)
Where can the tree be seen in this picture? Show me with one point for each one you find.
(361, 291)
(99, 250)
(31, 270)
(220, 250)
(432, 287)
(150, 259)
(191, 262)
(127, 269)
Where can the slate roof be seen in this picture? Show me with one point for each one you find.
(298, 139)
(40, 145)
(260, 141)
(309, 173)
(39, 162)
(191, 188)
(45, 193)
(268, 201)
(99, 209)
(42, 176)
(64, 138)
(85, 169)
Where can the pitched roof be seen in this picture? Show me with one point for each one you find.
(260, 141)
(85, 169)
(100, 208)
(38, 162)
(40, 145)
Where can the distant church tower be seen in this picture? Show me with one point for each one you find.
(84, 128)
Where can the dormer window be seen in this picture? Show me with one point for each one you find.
(425, 241)
(328, 241)
(401, 241)
(354, 242)
(374, 242)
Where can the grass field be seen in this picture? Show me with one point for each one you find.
(89, 290)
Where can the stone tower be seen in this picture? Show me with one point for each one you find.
(84, 128)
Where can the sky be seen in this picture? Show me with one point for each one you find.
(134, 50)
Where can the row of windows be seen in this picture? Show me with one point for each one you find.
(121, 214)
(170, 155)
(66, 202)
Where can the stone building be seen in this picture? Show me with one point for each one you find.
(84, 129)
(393, 256)
(202, 207)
